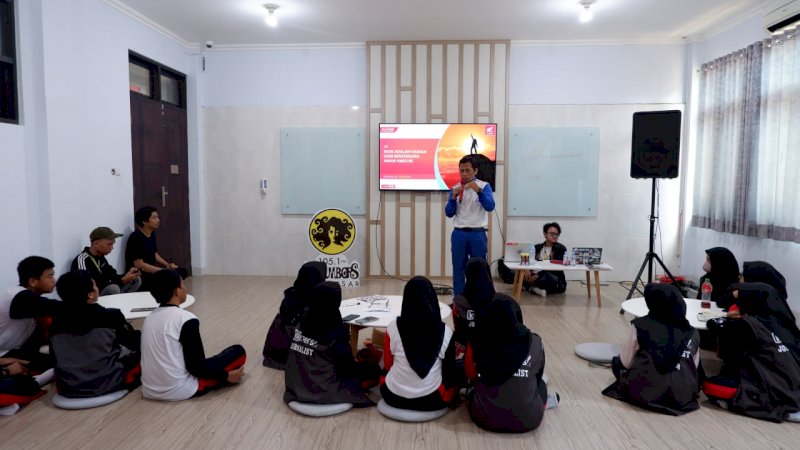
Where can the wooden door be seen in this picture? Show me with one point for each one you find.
(160, 162)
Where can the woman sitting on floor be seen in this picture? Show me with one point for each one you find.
(510, 395)
(763, 272)
(759, 378)
(477, 295)
(722, 271)
(295, 303)
(320, 368)
(657, 367)
(95, 348)
(419, 353)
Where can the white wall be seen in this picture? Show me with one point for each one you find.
(783, 255)
(597, 74)
(75, 128)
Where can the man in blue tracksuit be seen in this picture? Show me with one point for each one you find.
(469, 202)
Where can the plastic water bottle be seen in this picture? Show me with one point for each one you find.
(705, 290)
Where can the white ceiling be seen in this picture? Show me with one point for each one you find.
(234, 23)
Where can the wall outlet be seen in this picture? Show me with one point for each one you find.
(115, 172)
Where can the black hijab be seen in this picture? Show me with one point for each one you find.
(763, 302)
(323, 321)
(724, 270)
(664, 332)
(502, 341)
(479, 288)
(298, 297)
(763, 272)
(420, 325)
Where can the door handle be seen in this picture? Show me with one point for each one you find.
(164, 195)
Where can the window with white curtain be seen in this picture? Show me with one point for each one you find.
(748, 161)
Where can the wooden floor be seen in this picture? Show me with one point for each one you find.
(239, 310)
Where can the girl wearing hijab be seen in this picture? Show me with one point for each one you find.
(419, 353)
(320, 368)
(510, 395)
(759, 377)
(295, 303)
(468, 306)
(763, 272)
(722, 270)
(657, 367)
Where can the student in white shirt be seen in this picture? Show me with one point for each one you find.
(174, 366)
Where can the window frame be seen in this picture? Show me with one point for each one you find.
(10, 63)
(158, 70)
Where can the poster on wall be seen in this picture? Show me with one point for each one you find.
(332, 232)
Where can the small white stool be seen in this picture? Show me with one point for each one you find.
(409, 415)
(598, 352)
(315, 410)
(88, 402)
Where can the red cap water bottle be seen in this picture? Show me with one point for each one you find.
(705, 290)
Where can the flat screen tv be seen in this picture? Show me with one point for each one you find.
(424, 156)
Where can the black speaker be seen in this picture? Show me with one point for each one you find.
(655, 144)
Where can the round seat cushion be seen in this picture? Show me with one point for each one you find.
(88, 402)
(409, 415)
(598, 352)
(314, 410)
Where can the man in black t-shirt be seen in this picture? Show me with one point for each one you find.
(141, 251)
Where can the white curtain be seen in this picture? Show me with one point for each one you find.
(748, 162)
(776, 181)
(728, 114)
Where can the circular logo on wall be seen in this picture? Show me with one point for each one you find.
(332, 231)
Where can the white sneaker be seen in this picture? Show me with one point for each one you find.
(9, 410)
(552, 401)
(539, 291)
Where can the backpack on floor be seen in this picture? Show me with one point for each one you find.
(506, 274)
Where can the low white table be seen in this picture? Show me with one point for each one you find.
(142, 302)
(638, 308)
(521, 269)
(363, 306)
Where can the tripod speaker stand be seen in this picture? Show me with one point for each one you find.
(651, 255)
(654, 154)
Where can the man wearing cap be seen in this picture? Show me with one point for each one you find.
(93, 259)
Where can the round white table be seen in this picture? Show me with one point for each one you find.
(638, 308)
(385, 307)
(136, 305)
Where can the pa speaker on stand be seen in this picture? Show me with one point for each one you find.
(655, 147)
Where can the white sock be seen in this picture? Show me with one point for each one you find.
(9, 410)
(545, 378)
(793, 417)
(552, 400)
(45, 377)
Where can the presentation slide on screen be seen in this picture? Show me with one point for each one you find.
(424, 157)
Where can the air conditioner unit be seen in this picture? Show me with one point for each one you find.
(781, 14)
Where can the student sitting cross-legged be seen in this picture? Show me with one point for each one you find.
(294, 306)
(95, 348)
(510, 395)
(419, 353)
(174, 365)
(320, 368)
(658, 365)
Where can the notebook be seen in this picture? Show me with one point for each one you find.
(587, 255)
(513, 249)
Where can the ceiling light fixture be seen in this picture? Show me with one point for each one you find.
(271, 19)
(586, 13)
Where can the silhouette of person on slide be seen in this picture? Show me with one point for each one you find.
(473, 150)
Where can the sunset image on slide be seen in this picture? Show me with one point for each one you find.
(461, 140)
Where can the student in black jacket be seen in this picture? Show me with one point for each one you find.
(478, 293)
(510, 395)
(296, 301)
(93, 259)
(95, 348)
(320, 368)
(722, 271)
(548, 281)
(657, 367)
(759, 377)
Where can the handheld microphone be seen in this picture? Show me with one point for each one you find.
(461, 192)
